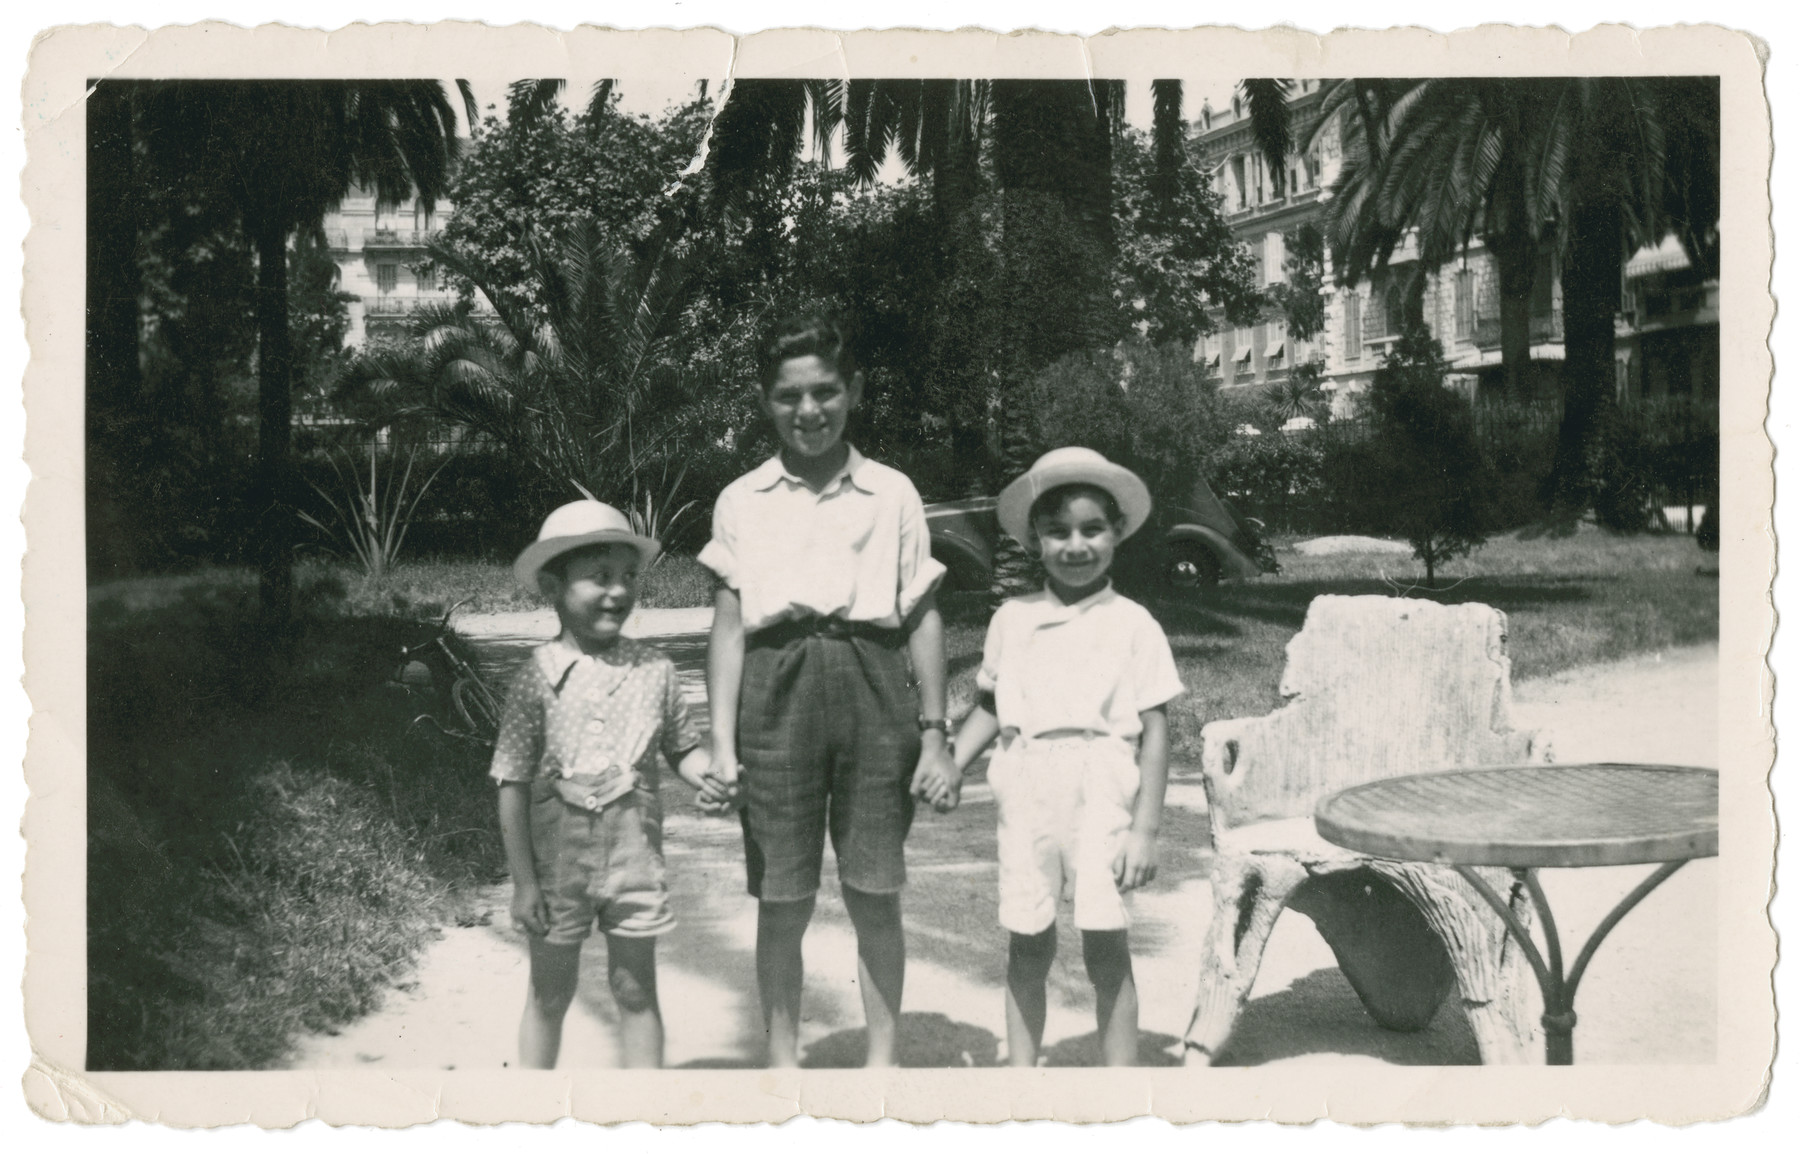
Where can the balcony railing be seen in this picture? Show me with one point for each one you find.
(398, 237)
(1546, 328)
(400, 306)
(1272, 204)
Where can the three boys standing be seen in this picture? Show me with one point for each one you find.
(826, 686)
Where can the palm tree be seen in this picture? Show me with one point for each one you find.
(280, 153)
(1449, 158)
(1596, 164)
(579, 388)
(1048, 146)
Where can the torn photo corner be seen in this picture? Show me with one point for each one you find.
(1444, 357)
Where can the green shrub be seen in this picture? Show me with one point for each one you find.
(1519, 447)
(1144, 406)
(251, 872)
(1427, 480)
(1622, 466)
(1278, 477)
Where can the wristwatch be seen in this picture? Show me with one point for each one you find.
(942, 725)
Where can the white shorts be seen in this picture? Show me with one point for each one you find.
(1065, 806)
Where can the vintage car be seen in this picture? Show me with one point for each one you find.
(1188, 545)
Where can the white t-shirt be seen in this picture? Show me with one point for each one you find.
(857, 549)
(1094, 665)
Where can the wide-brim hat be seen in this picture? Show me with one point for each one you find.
(1072, 466)
(575, 526)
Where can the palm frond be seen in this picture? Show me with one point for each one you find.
(471, 109)
(1271, 124)
(530, 101)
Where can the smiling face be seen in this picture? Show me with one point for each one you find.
(594, 590)
(810, 402)
(1077, 539)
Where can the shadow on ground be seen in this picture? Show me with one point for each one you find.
(926, 1041)
(1336, 1023)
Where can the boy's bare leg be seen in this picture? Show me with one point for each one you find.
(1115, 994)
(780, 971)
(1028, 958)
(880, 968)
(554, 969)
(631, 972)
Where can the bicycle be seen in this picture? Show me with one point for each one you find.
(474, 706)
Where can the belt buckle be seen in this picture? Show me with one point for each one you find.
(823, 626)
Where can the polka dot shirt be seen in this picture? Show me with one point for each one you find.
(570, 714)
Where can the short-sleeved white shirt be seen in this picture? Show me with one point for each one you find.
(1094, 665)
(857, 549)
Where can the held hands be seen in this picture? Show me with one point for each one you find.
(715, 781)
(937, 780)
(1135, 863)
(530, 913)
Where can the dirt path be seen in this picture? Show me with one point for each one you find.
(1649, 997)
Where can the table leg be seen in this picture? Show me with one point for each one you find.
(1558, 990)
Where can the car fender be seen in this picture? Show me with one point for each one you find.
(968, 563)
(1232, 562)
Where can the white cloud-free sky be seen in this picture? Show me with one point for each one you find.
(649, 94)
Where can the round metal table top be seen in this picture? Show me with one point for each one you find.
(1531, 816)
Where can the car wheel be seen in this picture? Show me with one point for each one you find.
(1190, 567)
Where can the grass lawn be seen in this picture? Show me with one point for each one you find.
(419, 590)
(270, 839)
(426, 588)
(1571, 600)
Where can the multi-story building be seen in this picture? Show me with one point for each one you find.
(1262, 352)
(1668, 331)
(383, 258)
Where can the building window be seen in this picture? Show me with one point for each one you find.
(1352, 327)
(428, 278)
(1465, 304)
(1395, 311)
(1274, 255)
(386, 277)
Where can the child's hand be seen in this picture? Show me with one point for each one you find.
(1135, 863)
(937, 780)
(719, 797)
(716, 790)
(530, 913)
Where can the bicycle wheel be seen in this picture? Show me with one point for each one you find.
(476, 708)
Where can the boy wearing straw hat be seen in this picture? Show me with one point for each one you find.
(576, 764)
(1074, 682)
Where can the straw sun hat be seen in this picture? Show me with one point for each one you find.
(574, 526)
(1070, 466)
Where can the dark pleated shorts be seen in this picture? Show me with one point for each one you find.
(828, 737)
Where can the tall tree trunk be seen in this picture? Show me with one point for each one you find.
(1590, 282)
(111, 374)
(274, 543)
(1015, 570)
(1516, 265)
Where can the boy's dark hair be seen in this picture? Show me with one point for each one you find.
(808, 334)
(1050, 500)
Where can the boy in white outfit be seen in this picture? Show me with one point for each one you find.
(1074, 679)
